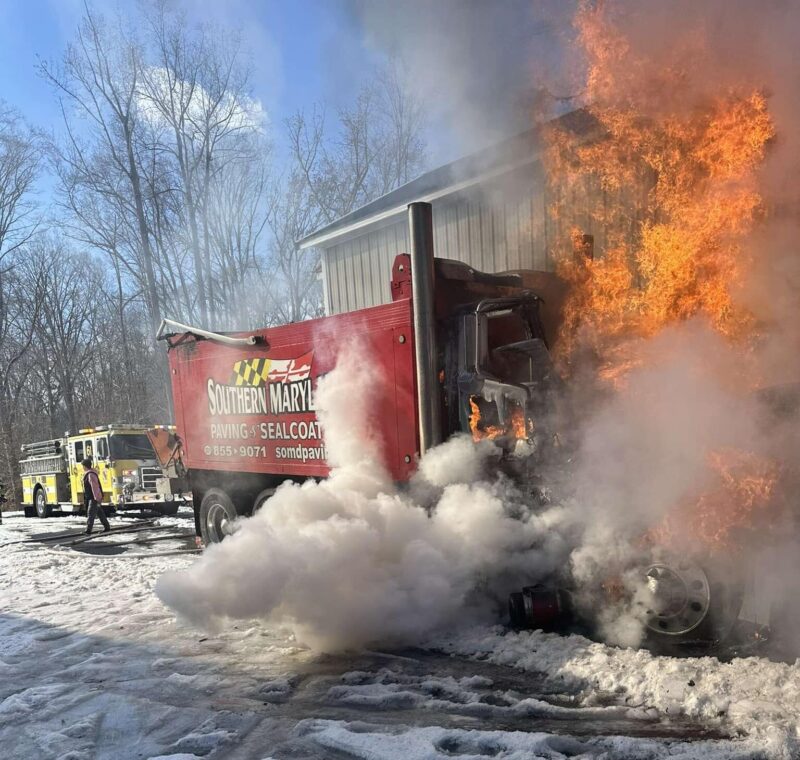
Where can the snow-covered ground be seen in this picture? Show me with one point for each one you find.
(92, 665)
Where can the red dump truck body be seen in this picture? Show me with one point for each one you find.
(250, 409)
(454, 346)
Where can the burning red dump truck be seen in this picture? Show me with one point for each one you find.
(456, 350)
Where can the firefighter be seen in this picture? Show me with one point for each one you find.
(93, 497)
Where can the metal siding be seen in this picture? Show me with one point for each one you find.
(364, 290)
(324, 276)
(342, 278)
(473, 212)
(358, 271)
(332, 275)
(504, 226)
(375, 264)
(501, 236)
(515, 226)
(439, 231)
(348, 303)
(350, 275)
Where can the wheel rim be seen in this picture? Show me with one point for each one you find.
(41, 504)
(218, 522)
(681, 597)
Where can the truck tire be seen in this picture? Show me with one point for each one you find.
(702, 603)
(43, 509)
(261, 499)
(217, 514)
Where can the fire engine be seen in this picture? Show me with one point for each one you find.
(127, 461)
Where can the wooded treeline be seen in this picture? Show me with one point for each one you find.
(169, 194)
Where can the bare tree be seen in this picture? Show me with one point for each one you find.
(375, 146)
(197, 87)
(67, 320)
(293, 213)
(99, 80)
(19, 304)
(19, 166)
(237, 219)
(20, 152)
(401, 154)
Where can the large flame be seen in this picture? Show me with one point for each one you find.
(724, 514)
(672, 187)
(667, 181)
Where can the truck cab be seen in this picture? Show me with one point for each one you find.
(493, 334)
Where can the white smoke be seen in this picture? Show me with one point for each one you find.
(352, 560)
(644, 452)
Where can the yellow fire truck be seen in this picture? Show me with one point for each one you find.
(128, 460)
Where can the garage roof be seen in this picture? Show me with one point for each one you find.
(496, 160)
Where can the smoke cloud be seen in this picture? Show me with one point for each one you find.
(353, 561)
(480, 68)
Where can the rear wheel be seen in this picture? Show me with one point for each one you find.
(262, 498)
(43, 509)
(217, 516)
(693, 603)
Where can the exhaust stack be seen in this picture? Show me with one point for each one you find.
(420, 226)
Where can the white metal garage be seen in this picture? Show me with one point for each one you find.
(489, 210)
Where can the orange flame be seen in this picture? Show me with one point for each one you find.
(515, 427)
(742, 492)
(671, 191)
(667, 182)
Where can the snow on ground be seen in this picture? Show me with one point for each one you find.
(751, 696)
(93, 666)
(434, 743)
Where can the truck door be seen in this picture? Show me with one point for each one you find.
(103, 466)
(76, 471)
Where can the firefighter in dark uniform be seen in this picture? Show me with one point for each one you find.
(93, 496)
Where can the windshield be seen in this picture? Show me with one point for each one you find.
(134, 446)
(504, 327)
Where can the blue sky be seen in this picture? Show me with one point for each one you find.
(302, 52)
(468, 60)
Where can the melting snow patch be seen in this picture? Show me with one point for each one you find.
(203, 742)
(473, 696)
(435, 743)
(751, 696)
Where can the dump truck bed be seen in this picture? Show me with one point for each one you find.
(250, 408)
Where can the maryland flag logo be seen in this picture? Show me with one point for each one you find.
(258, 372)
